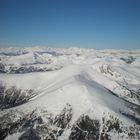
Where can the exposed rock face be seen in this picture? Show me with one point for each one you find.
(26, 69)
(2, 68)
(41, 125)
(63, 119)
(85, 129)
(33, 126)
(30, 134)
(29, 69)
(11, 96)
(128, 60)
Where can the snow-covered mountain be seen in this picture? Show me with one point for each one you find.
(69, 94)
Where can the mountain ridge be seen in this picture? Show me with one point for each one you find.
(77, 94)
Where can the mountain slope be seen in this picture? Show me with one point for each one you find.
(93, 95)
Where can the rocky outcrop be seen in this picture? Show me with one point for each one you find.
(12, 96)
(128, 60)
(42, 125)
(85, 129)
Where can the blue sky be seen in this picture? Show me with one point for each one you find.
(98, 24)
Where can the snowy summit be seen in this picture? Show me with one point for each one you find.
(69, 94)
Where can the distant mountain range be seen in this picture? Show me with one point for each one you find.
(69, 94)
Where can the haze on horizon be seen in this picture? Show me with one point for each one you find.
(100, 24)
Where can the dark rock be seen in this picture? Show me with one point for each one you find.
(2, 68)
(85, 129)
(30, 134)
(128, 60)
(64, 117)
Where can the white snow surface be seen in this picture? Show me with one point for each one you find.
(92, 81)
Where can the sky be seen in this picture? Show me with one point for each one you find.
(99, 24)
